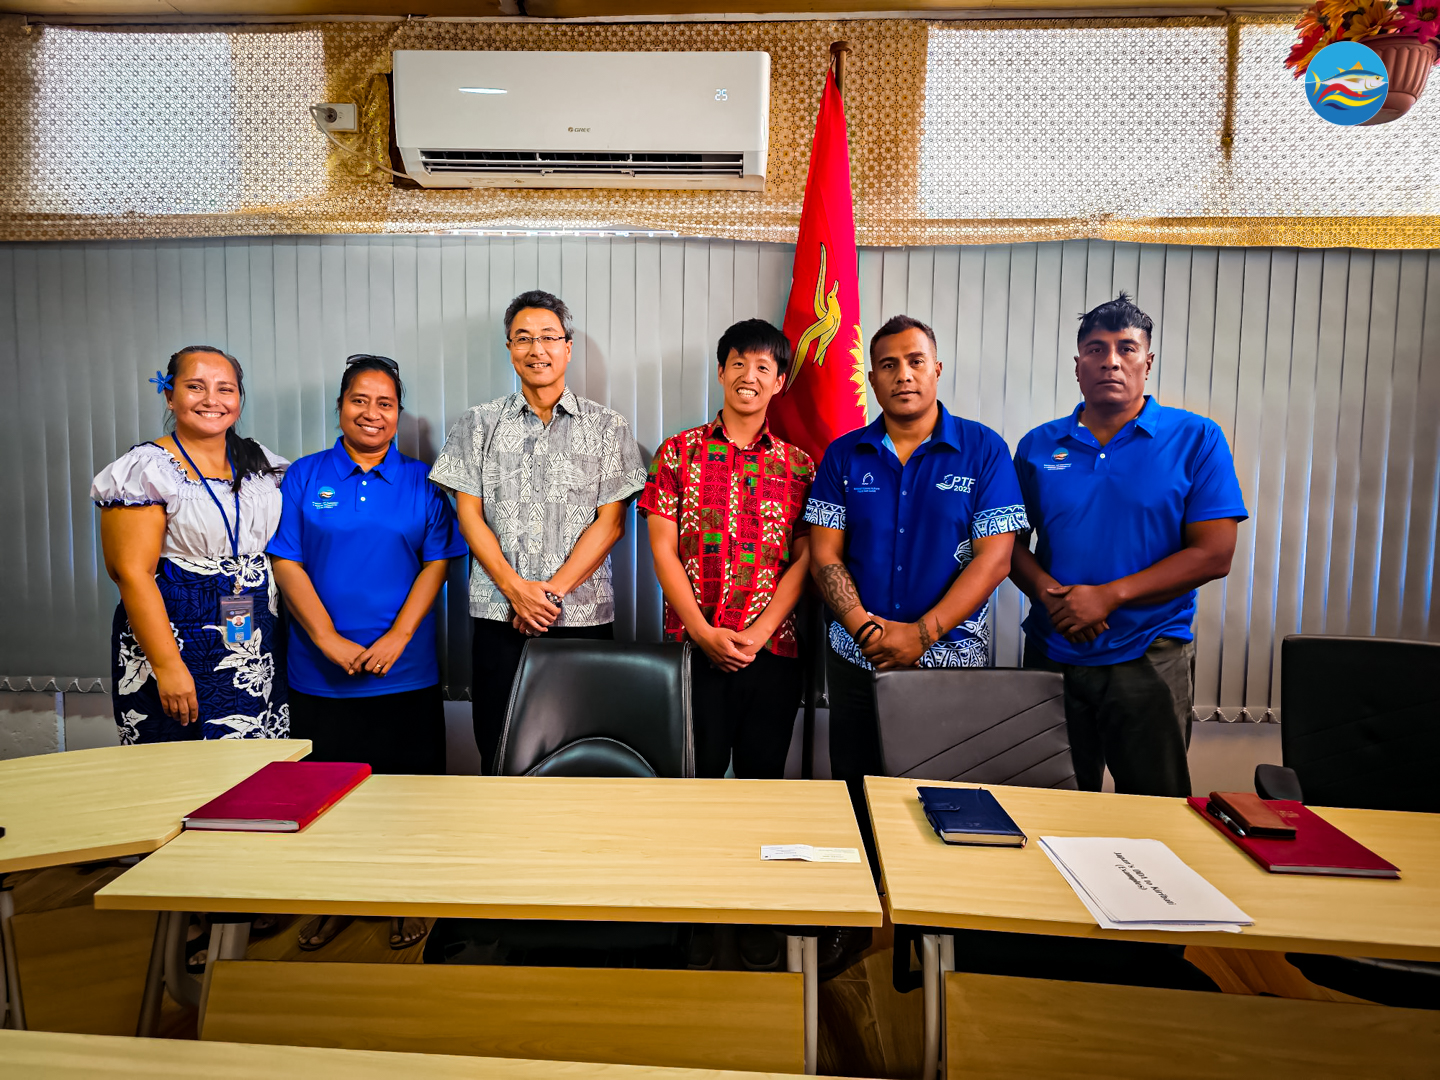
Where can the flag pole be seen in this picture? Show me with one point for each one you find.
(812, 609)
(839, 50)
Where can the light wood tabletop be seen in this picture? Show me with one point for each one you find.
(87, 805)
(531, 847)
(32, 1055)
(930, 883)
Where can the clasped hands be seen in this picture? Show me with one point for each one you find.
(1079, 612)
(533, 610)
(894, 645)
(355, 658)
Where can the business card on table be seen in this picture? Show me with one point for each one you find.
(806, 853)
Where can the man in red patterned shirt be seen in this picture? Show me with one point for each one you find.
(726, 504)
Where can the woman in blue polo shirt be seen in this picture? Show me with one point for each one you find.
(364, 543)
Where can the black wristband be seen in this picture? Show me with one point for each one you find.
(867, 630)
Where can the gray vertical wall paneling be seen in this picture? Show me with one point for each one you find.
(1205, 315)
(1379, 353)
(1347, 448)
(1321, 368)
(651, 390)
(1423, 552)
(1267, 507)
(14, 586)
(1015, 378)
(1335, 271)
(1394, 528)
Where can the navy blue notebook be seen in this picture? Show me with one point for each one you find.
(969, 816)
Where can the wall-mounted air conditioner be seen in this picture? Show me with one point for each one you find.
(583, 119)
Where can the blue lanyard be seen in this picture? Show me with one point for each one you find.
(233, 535)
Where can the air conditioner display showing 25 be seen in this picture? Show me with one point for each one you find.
(693, 120)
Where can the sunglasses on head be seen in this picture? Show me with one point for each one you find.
(385, 360)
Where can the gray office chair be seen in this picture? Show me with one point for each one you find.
(1003, 726)
(1359, 720)
(981, 725)
(1359, 729)
(586, 708)
(599, 708)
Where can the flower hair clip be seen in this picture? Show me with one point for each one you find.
(163, 382)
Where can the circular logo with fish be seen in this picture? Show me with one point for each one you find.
(1346, 83)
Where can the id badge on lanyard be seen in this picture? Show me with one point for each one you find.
(237, 615)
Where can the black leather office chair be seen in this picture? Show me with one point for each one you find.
(1360, 727)
(1360, 720)
(586, 708)
(599, 708)
(1003, 726)
(981, 725)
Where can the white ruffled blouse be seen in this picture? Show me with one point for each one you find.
(149, 476)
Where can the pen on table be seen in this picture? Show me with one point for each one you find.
(1230, 824)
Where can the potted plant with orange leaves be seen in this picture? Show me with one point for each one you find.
(1405, 34)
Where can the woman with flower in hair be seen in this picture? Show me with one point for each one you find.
(184, 521)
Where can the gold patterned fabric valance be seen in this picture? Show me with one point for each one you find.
(1171, 130)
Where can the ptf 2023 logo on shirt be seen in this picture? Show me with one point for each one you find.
(325, 499)
(961, 484)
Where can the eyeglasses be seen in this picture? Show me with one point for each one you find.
(385, 360)
(524, 341)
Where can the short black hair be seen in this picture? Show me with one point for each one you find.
(898, 324)
(755, 335)
(539, 298)
(383, 364)
(1118, 314)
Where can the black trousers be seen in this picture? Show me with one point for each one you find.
(854, 738)
(392, 733)
(495, 649)
(1133, 717)
(750, 712)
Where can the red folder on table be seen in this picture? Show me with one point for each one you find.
(1318, 847)
(284, 796)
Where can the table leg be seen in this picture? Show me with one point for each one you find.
(155, 976)
(182, 986)
(802, 954)
(934, 1007)
(228, 941)
(947, 964)
(15, 1011)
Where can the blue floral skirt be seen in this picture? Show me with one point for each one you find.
(241, 687)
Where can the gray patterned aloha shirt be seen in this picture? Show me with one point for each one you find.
(541, 485)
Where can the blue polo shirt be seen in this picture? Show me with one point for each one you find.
(1103, 513)
(362, 538)
(909, 529)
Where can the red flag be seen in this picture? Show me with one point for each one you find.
(825, 388)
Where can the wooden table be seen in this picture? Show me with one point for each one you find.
(651, 850)
(89, 805)
(932, 884)
(33, 1055)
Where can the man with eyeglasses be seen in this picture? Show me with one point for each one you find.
(541, 481)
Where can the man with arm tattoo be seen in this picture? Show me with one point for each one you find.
(913, 519)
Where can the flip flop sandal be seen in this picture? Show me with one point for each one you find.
(313, 928)
(397, 929)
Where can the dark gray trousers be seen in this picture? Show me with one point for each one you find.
(1133, 717)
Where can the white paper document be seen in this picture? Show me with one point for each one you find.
(806, 853)
(1140, 885)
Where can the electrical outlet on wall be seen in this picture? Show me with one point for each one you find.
(336, 116)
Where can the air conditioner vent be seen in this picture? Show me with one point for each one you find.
(570, 162)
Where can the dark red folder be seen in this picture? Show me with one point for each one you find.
(1318, 847)
(284, 796)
